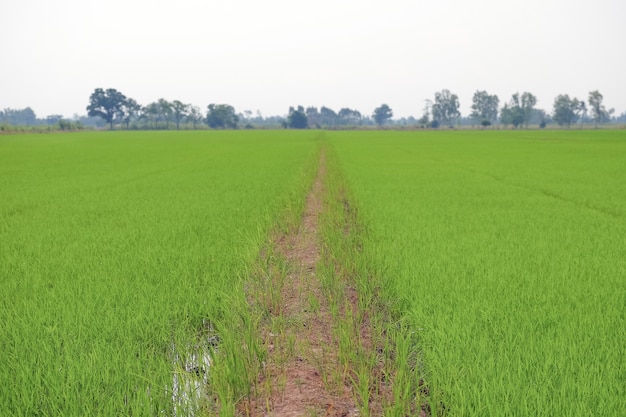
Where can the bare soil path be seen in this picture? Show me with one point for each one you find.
(301, 376)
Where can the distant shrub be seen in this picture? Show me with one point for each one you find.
(69, 125)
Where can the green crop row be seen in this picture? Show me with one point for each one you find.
(496, 258)
(121, 252)
(505, 252)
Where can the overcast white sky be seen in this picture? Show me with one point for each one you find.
(268, 55)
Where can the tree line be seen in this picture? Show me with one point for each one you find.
(519, 111)
(111, 107)
(10, 118)
(115, 108)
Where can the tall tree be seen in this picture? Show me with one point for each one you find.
(519, 110)
(180, 111)
(18, 117)
(157, 112)
(512, 112)
(194, 116)
(598, 111)
(349, 117)
(565, 110)
(313, 116)
(527, 105)
(151, 113)
(109, 105)
(132, 111)
(382, 114)
(446, 107)
(166, 111)
(297, 118)
(221, 116)
(581, 112)
(485, 107)
(424, 121)
(329, 117)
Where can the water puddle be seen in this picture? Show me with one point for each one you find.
(191, 373)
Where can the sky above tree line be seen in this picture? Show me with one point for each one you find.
(269, 55)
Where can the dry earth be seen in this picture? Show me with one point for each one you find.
(301, 376)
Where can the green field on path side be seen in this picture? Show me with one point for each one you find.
(116, 248)
(502, 251)
(506, 253)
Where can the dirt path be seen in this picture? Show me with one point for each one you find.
(328, 349)
(301, 375)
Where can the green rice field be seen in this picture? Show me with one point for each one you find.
(506, 254)
(502, 252)
(117, 247)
